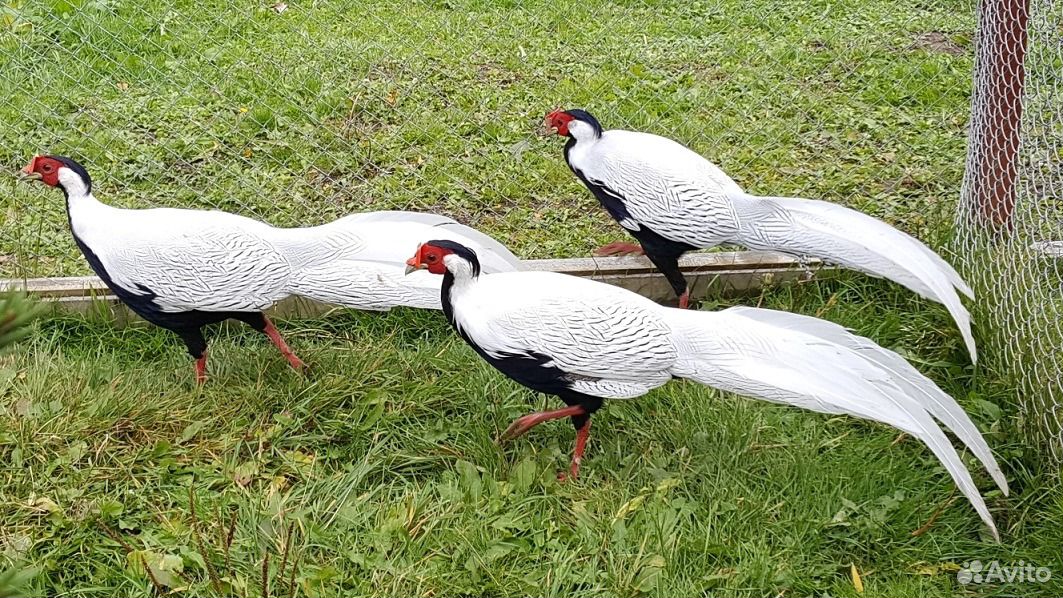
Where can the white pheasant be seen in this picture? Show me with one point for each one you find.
(672, 201)
(184, 269)
(586, 341)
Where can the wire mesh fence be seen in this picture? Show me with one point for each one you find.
(1011, 213)
(302, 111)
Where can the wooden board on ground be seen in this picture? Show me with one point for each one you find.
(715, 274)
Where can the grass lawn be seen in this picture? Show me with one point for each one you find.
(321, 110)
(379, 474)
(383, 465)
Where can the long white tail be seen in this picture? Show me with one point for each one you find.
(359, 261)
(806, 362)
(855, 240)
(397, 227)
(367, 285)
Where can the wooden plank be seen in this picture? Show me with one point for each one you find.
(69, 286)
(714, 274)
(709, 274)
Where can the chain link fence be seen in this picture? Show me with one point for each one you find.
(1011, 210)
(300, 111)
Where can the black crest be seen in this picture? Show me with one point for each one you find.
(587, 117)
(461, 251)
(77, 168)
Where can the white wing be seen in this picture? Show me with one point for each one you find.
(610, 341)
(664, 186)
(208, 261)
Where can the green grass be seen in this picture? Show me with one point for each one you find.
(383, 465)
(322, 110)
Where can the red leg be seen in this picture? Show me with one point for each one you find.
(201, 369)
(523, 424)
(684, 300)
(620, 248)
(275, 336)
(577, 455)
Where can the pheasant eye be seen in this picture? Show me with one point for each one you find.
(47, 168)
(431, 257)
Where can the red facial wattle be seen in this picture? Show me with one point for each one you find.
(46, 168)
(558, 120)
(430, 258)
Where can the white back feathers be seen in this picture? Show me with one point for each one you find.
(216, 261)
(659, 188)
